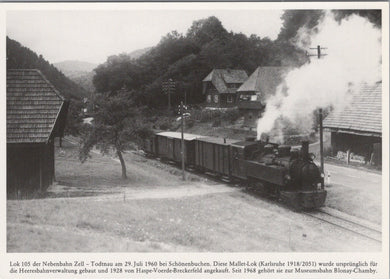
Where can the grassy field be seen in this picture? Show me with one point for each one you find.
(154, 210)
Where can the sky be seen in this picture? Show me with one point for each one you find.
(94, 35)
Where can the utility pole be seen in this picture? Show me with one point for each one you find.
(182, 140)
(321, 147)
(319, 54)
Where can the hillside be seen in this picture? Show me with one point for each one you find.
(80, 72)
(139, 52)
(20, 57)
(71, 66)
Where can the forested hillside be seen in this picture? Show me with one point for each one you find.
(188, 58)
(20, 57)
(79, 72)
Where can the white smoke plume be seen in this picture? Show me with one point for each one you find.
(353, 49)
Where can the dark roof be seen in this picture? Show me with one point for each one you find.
(264, 80)
(221, 77)
(33, 106)
(364, 114)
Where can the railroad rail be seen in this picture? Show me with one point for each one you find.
(347, 222)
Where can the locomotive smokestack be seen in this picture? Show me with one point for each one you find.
(305, 149)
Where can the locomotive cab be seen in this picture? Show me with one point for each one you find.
(290, 174)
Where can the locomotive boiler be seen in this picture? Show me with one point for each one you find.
(287, 174)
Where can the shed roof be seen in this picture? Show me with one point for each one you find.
(221, 77)
(264, 80)
(364, 114)
(33, 106)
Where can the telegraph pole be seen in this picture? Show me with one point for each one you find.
(182, 140)
(319, 54)
(168, 87)
(321, 146)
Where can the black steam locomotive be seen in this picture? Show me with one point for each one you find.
(289, 175)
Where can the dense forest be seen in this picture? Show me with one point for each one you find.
(188, 58)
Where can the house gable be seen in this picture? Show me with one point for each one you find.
(225, 80)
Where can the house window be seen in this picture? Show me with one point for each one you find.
(208, 98)
(229, 99)
(216, 99)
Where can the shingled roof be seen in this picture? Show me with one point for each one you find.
(33, 106)
(264, 80)
(363, 116)
(221, 77)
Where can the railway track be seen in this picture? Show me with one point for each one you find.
(328, 215)
(347, 222)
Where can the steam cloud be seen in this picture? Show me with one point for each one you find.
(353, 56)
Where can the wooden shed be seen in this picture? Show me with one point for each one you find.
(356, 131)
(36, 114)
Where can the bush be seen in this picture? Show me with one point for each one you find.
(230, 115)
(204, 116)
(165, 126)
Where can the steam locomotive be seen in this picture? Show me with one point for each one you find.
(288, 174)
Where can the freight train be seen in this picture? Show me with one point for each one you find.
(288, 174)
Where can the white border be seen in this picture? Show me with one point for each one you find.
(381, 257)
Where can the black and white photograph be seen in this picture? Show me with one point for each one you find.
(196, 129)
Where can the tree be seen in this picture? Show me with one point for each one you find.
(293, 20)
(117, 126)
(374, 16)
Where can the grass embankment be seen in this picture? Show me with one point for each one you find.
(155, 211)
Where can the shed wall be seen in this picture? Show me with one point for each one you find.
(367, 146)
(30, 168)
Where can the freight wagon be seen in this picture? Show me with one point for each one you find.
(290, 175)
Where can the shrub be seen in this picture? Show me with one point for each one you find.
(189, 123)
(230, 115)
